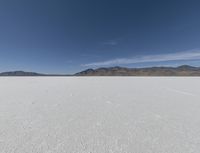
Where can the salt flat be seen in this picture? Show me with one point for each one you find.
(99, 115)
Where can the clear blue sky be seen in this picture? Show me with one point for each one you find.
(66, 36)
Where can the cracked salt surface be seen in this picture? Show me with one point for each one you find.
(99, 115)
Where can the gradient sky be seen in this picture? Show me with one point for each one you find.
(66, 36)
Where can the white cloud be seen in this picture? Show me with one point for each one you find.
(178, 56)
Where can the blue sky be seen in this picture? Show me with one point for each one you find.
(66, 36)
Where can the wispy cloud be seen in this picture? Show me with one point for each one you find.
(110, 43)
(178, 56)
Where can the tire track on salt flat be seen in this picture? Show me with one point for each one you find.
(180, 92)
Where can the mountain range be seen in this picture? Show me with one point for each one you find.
(184, 70)
(20, 73)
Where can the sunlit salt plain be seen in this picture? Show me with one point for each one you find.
(99, 115)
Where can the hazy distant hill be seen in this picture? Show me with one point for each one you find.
(20, 73)
(184, 70)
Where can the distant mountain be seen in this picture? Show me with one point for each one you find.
(20, 73)
(184, 70)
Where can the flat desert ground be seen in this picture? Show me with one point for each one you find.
(99, 115)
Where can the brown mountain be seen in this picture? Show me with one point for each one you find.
(184, 70)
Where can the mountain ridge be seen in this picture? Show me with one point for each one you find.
(183, 70)
(20, 73)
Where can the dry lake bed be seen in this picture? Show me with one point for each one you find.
(99, 115)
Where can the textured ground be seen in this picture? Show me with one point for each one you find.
(99, 115)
